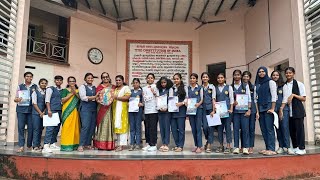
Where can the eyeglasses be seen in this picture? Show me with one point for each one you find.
(105, 77)
(72, 81)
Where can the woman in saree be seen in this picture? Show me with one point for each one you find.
(120, 112)
(70, 132)
(104, 135)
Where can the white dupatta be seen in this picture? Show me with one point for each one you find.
(118, 114)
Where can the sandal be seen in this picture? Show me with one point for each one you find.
(20, 150)
(262, 151)
(80, 149)
(220, 149)
(250, 150)
(194, 149)
(89, 147)
(165, 149)
(119, 148)
(228, 150)
(270, 153)
(198, 150)
(173, 149)
(179, 149)
(161, 148)
(208, 150)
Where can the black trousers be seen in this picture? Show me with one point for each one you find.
(151, 131)
(296, 126)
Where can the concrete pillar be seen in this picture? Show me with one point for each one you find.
(18, 65)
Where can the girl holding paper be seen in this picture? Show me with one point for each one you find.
(246, 77)
(151, 113)
(120, 112)
(283, 134)
(241, 112)
(70, 132)
(266, 90)
(178, 123)
(135, 118)
(196, 92)
(209, 95)
(163, 86)
(88, 112)
(225, 93)
(38, 110)
(104, 136)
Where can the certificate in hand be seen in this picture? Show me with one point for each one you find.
(106, 99)
(192, 109)
(54, 120)
(25, 95)
(222, 109)
(213, 121)
(134, 104)
(243, 102)
(172, 101)
(162, 102)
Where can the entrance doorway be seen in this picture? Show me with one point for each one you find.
(214, 70)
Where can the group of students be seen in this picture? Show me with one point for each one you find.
(91, 116)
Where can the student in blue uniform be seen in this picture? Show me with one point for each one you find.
(225, 93)
(178, 119)
(240, 117)
(209, 95)
(163, 86)
(38, 110)
(53, 105)
(283, 134)
(151, 113)
(196, 91)
(24, 112)
(295, 94)
(266, 90)
(88, 112)
(135, 118)
(246, 77)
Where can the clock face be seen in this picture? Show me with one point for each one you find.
(95, 55)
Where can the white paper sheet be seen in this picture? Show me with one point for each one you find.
(134, 104)
(51, 121)
(276, 120)
(214, 121)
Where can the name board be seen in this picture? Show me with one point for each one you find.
(163, 58)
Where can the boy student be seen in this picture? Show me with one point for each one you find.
(23, 109)
(53, 104)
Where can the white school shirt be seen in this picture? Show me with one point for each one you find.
(237, 86)
(34, 96)
(273, 91)
(83, 92)
(201, 90)
(149, 99)
(231, 97)
(287, 91)
(176, 89)
(49, 93)
(211, 86)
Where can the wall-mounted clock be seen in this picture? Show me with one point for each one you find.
(95, 55)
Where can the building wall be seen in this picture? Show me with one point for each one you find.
(286, 44)
(91, 35)
(224, 42)
(237, 42)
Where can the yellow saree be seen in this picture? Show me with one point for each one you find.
(70, 132)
